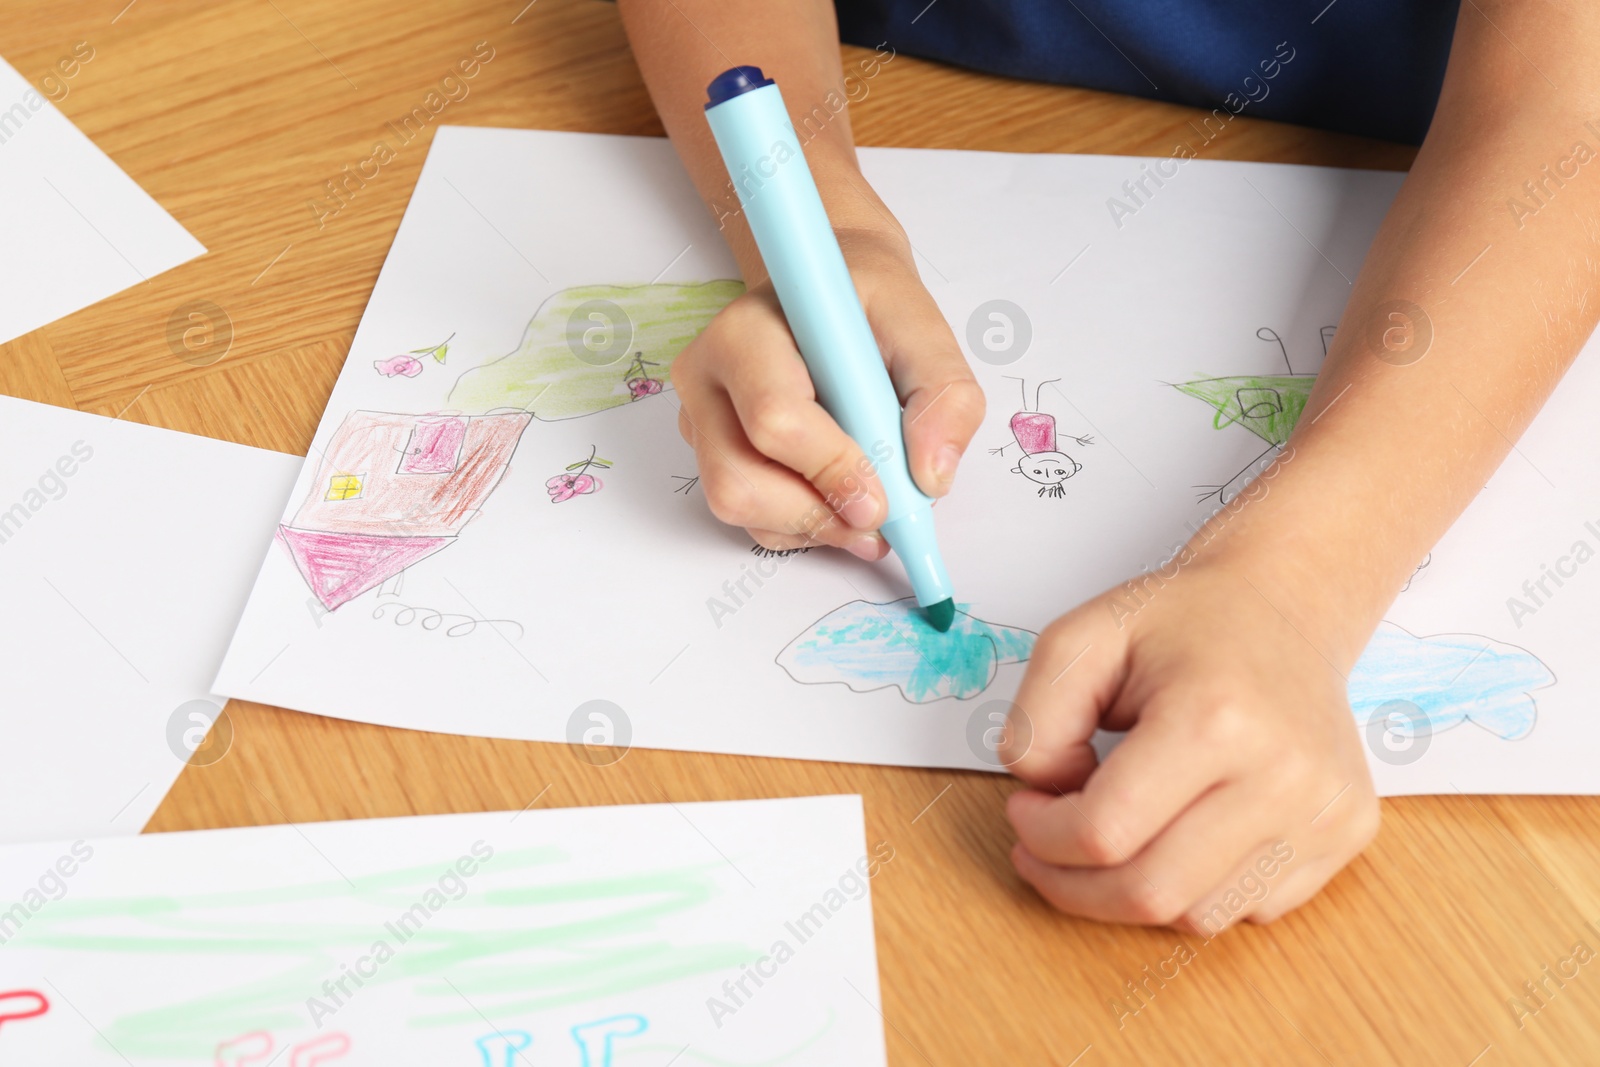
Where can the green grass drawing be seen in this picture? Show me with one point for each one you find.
(578, 356)
(1268, 405)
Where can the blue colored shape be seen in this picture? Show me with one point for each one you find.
(869, 646)
(1450, 678)
(609, 1030)
(510, 1042)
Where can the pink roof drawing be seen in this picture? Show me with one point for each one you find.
(392, 490)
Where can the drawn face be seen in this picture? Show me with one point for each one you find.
(1047, 468)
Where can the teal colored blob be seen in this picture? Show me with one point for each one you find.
(869, 646)
(942, 614)
(1451, 678)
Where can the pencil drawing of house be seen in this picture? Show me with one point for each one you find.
(391, 490)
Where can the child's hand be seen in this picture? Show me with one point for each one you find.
(1241, 739)
(771, 460)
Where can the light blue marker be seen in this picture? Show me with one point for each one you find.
(808, 271)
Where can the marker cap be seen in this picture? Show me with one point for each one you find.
(732, 82)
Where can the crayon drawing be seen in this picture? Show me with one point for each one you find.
(246, 1050)
(450, 623)
(596, 937)
(587, 349)
(595, 1040)
(1034, 433)
(1450, 679)
(517, 943)
(576, 479)
(398, 366)
(1268, 405)
(501, 1048)
(391, 490)
(594, 347)
(18, 1004)
(318, 1050)
(407, 365)
(868, 646)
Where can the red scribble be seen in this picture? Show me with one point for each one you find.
(324, 1049)
(11, 1005)
(245, 1049)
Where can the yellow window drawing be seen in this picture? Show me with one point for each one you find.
(344, 487)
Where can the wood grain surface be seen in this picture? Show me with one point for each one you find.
(235, 113)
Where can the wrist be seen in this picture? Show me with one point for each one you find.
(859, 218)
(1285, 543)
(851, 201)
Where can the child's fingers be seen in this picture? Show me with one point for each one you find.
(1350, 831)
(744, 488)
(1297, 886)
(1074, 673)
(773, 398)
(1067, 772)
(943, 403)
(1254, 885)
(1168, 880)
(870, 547)
(1140, 789)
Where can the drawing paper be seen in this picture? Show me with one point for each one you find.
(702, 934)
(126, 554)
(498, 532)
(77, 228)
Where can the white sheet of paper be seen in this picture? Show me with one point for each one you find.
(126, 554)
(720, 933)
(77, 228)
(604, 603)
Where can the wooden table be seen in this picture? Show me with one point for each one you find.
(234, 113)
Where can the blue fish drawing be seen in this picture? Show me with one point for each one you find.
(869, 646)
(1450, 678)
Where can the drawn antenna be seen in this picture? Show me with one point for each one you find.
(1038, 390)
(1267, 333)
(1022, 386)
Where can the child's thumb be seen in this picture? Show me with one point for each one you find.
(1073, 676)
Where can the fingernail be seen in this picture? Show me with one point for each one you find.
(868, 547)
(861, 512)
(945, 462)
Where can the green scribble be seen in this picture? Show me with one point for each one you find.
(869, 646)
(627, 357)
(1268, 405)
(508, 945)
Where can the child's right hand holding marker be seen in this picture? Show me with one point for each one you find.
(771, 459)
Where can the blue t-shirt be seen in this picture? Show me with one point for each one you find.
(1370, 67)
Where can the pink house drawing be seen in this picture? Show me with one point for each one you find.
(392, 490)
